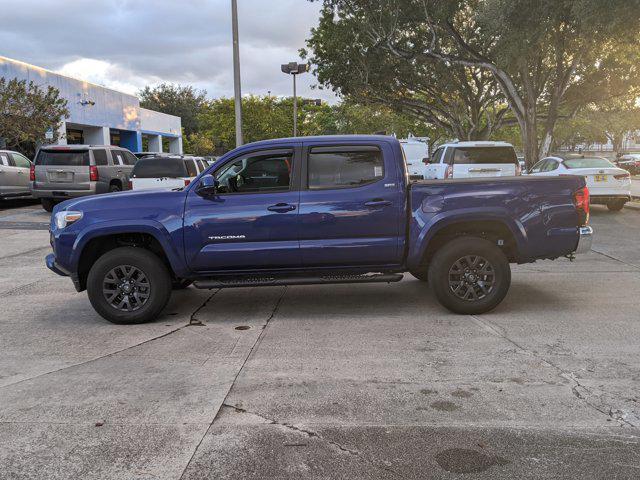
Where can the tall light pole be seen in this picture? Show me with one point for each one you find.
(236, 72)
(294, 68)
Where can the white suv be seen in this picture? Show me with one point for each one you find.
(473, 159)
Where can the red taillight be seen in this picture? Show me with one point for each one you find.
(622, 176)
(186, 182)
(130, 185)
(448, 173)
(32, 173)
(93, 173)
(581, 201)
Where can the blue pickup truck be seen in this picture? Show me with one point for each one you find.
(315, 210)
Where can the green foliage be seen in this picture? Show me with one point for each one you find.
(266, 117)
(179, 100)
(27, 112)
(463, 101)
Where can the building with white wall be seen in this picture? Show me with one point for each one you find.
(99, 115)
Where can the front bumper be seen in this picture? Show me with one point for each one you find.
(585, 239)
(50, 260)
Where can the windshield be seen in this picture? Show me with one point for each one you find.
(159, 168)
(484, 155)
(588, 163)
(77, 158)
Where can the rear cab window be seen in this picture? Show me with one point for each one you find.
(344, 167)
(67, 158)
(159, 168)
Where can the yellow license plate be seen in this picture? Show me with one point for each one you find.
(601, 178)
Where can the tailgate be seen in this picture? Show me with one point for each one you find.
(62, 170)
(164, 182)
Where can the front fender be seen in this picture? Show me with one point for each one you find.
(425, 228)
(156, 229)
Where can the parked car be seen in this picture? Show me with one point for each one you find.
(69, 171)
(315, 210)
(473, 159)
(14, 175)
(630, 162)
(608, 184)
(416, 151)
(166, 172)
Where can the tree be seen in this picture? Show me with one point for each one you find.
(27, 112)
(465, 102)
(549, 57)
(271, 117)
(179, 100)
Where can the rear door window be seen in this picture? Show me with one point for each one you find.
(118, 157)
(344, 167)
(20, 161)
(67, 158)
(4, 160)
(484, 155)
(159, 168)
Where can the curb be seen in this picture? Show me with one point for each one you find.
(632, 205)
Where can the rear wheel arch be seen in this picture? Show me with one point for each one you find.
(115, 183)
(494, 230)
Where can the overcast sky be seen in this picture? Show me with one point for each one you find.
(127, 44)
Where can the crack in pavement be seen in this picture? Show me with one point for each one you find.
(611, 257)
(275, 309)
(27, 252)
(110, 354)
(312, 434)
(578, 390)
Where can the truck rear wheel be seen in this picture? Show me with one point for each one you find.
(470, 275)
(129, 285)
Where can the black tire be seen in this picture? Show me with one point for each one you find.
(155, 273)
(448, 260)
(421, 274)
(47, 204)
(180, 284)
(616, 205)
(114, 188)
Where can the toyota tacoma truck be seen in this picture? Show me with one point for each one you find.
(315, 210)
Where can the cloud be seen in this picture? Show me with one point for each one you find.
(127, 44)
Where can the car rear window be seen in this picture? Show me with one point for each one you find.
(67, 158)
(588, 163)
(484, 155)
(192, 170)
(159, 167)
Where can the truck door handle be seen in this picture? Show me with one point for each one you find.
(281, 207)
(377, 202)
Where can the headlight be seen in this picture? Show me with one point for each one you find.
(65, 218)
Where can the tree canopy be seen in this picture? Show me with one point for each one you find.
(26, 113)
(181, 100)
(548, 57)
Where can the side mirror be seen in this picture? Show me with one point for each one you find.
(426, 160)
(208, 185)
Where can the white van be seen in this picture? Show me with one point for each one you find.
(473, 159)
(416, 152)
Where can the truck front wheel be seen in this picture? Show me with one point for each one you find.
(129, 285)
(470, 275)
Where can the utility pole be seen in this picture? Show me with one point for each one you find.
(236, 72)
(294, 69)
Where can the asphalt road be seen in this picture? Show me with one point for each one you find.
(352, 381)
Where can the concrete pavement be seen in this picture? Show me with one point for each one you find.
(352, 381)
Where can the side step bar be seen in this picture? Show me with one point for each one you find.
(258, 281)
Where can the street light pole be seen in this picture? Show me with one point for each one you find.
(295, 107)
(295, 69)
(236, 72)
